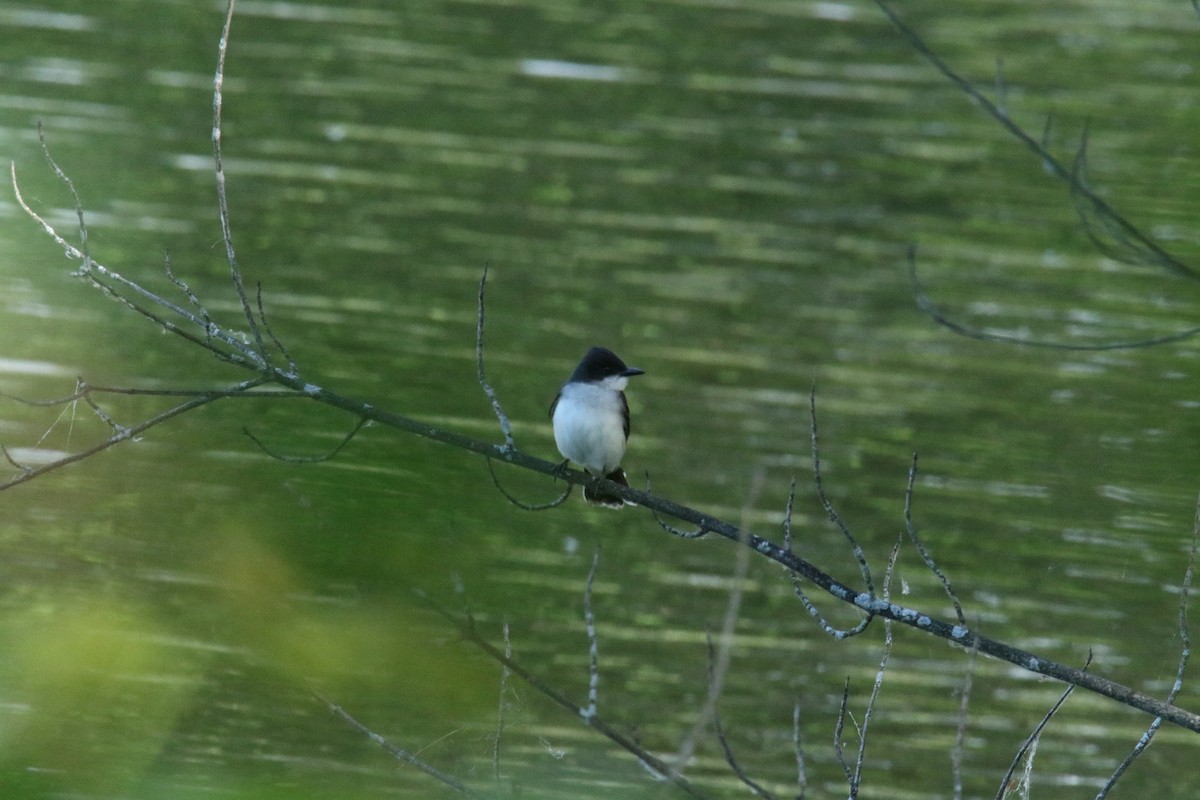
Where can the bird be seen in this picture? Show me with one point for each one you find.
(591, 421)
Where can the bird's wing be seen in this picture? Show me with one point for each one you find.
(554, 405)
(624, 414)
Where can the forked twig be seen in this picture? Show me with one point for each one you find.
(123, 434)
(876, 687)
(647, 759)
(1148, 251)
(1027, 750)
(797, 584)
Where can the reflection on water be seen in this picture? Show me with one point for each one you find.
(725, 194)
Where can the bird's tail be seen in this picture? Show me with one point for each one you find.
(599, 497)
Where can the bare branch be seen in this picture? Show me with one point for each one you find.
(246, 356)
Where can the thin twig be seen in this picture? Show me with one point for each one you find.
(24, 468)
(262, 317)
(861, 760)
(84, 253)
(183, 287)
(960, 729)
(116, 427)
(1029, 748)
(829, 628)
(669, 528)
(307, 459)
(1185, 652)
(827, 504)
(505, 426)
(96, 274)
(787, 516)
(921, 549)
(797, 584)
(558, 501)
(719, 662)
(839, 726)
(726, 748)
(501, 706)
(682, 534)
(219, 170)
(647, 759)
(798, 746)
(589, 620)
(396, 751)
(935, 313)
(125, 434)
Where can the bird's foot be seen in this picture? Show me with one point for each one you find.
(561, 470)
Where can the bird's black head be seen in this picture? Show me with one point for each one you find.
(600, 363)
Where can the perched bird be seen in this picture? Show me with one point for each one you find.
(591, 420)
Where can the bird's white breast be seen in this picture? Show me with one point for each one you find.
(589, 427)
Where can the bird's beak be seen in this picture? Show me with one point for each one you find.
(631, 371)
